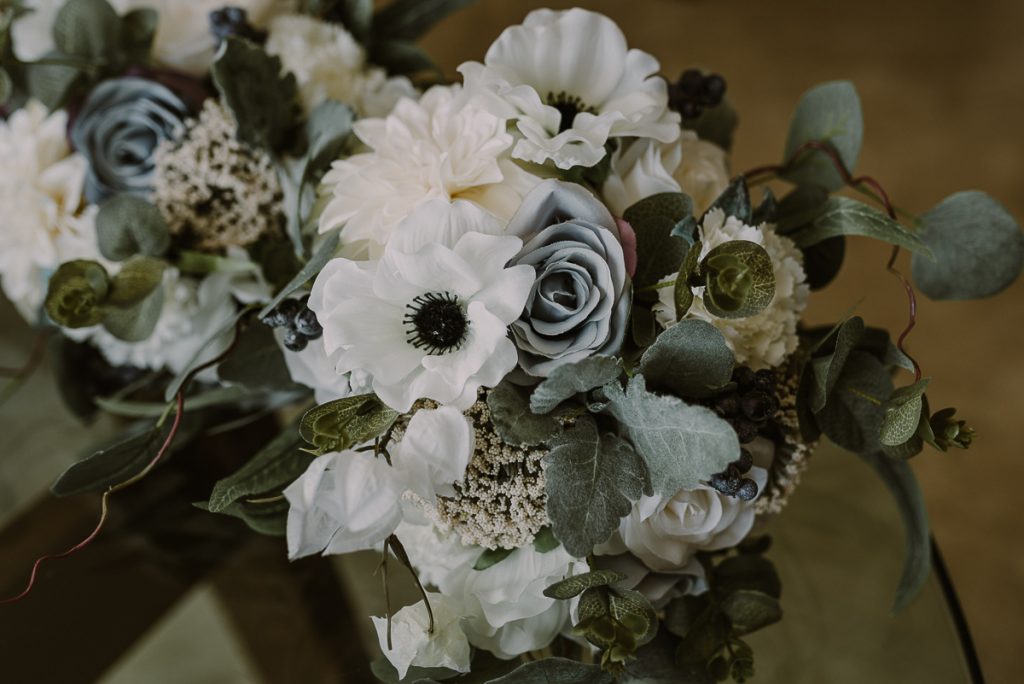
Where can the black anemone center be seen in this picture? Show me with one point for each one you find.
(568, 107)
(436, 323)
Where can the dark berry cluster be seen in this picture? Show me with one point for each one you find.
(731, 481)
(695, 91)
(233, 21)
(298, 320)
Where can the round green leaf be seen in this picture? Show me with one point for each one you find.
(76, 294)
(903, 414)
(128, 226)
(690, 359)
(830, 113)
(739, 279)
(977, 246)
(576, 585)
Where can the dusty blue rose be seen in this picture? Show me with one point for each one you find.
(120, 126)
(579, 304)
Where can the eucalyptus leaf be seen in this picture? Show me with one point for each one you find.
(570, 379)
(344, 423)
(6, 87)
(136, 299)
(749, 610)
(852, 417)
(112, 464)
(659, 251)
(827, 369)
(410, 19)
(747, 572)
(402, 58)
(76, 294)
(682, 291)
(219, 396)
(273, 468)
(690, 359)
(52, 84)
(491, 557)
(823, 261)
(829, 113)
(138, 31)
(127, 226)
(572, 587)
(88, 29)
(257, 361)
(643, 325)
(591, 482)
(800, 207)
(355, 15)
(900, 480)
(324, 253)
(634, 611)
(739, 279)
(903, 414)
(513, 420)
(683, 445)
(844, 216)
(735, 201)
(545, 541)
(269, 518)
(767, 211)
(556, 671)
(977, 248)
(267, 113)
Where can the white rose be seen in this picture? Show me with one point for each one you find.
(641, 168)
(703, 172)
(414, 645)
(665, 532)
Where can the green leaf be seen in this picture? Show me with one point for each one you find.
(269, 518)
(690, 359)
(88, 29)
(127, 226)
(682, 445)
(899, 478)
(202, 263)
(827, 369)
(976, 246)
(571, 379)
(749, 611)
(51, 84)
(344, 423)
(136, 299)
(739, 279)
(6, 86)
(852, 417)
(591, 483)
(634, 611)
(218, 396)
(556, 671)
(747, 571)
(138, 31)
(76, 293)
(800, 207)
(642, 325)
(823, 261)
(572, 587)
(717, 124)
(356, 16)
(513, 420)
(324, 253)
(903, 414)
(593, 604)
(830, 113)
(272, 469)
(735, 201)
(545, 541)
(491, 557)
(264, 102)
(767, 211)
(203, 353)
(401, 58)
(682, 291)
(659, 252)
(257, 361)
(409, 19)
(845, 216)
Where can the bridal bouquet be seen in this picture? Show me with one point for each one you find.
(541, 347)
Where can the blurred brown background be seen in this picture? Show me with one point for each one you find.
(942, 84)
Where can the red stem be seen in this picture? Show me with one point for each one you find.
(848, 178)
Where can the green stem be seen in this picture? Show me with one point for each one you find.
(658, 286)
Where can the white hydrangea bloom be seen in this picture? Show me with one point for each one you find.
(41, 193)
(766, 339)
(329, 64)
(414, 645)
(569, 82)
(192, 312)
(434, 148)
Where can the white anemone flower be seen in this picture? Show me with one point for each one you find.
(352, 500)
(570, 83)
(434, 148)
(431, 322)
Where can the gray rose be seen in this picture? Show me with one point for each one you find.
(579, 304)
(120, 126)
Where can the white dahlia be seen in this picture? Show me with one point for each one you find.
(435, 148)
(41, 193)
(569, 82)
(765, 339)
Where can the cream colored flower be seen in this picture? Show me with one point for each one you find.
(703, 171)
(414, 645)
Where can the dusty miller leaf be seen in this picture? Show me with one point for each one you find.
(571, 379)
(591, 483)
(690, 359)
(682, 445)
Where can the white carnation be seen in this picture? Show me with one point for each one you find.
(765, 339)
(41, 193)
(434, 148)
(329, 64)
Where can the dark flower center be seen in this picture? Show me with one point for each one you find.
(436, 323)
(568, 107)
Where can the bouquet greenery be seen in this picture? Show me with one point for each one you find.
(541, 347)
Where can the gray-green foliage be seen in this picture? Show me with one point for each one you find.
(591, 482)
(76, 293)
(556, 671)
(571, 379)
(829, 113)
(344, 423)
(682, 290)
(682, 445)
(902, 416)
(735, 201)
(513, 420)
(257, 361)
(112, 464)
(977, 248)
(852, 416)
(127, 226)
(571, 587)
(263, 99)
(136, 299)
(324, 253)
(272, 469)
(840, 216)
(739, 280)
(690, 359)
(826, 369)
(265, 517)
(659, 251)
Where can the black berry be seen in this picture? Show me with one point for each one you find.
(714, 89)
(294, 340)
(745, 462)
(747, 490)
(307, 324)
(691, 82)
